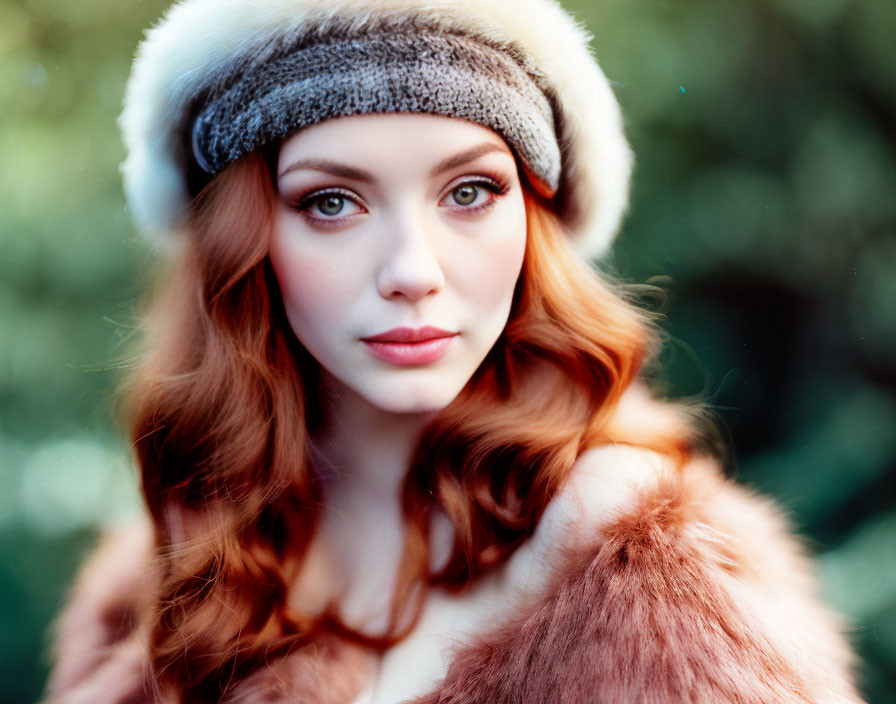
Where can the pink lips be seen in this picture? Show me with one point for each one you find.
(408, 346)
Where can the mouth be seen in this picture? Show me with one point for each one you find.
(413, 335)
(408, 346)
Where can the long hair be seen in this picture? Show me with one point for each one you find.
(225, 400)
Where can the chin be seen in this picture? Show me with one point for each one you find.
(415, 402)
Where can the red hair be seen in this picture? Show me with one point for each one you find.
(224, 403)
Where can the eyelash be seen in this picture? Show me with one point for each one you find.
(304, 203)
(491, 182)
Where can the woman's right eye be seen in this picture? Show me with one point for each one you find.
(328, 207)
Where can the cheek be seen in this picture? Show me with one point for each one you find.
(492, 275)
(310, 287)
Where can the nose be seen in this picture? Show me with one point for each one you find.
(410, 266)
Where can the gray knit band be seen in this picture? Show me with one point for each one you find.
(419, 71)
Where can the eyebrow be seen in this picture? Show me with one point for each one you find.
(465, 157)
(335, 168)
(328, 167)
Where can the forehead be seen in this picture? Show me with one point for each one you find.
(382, 139)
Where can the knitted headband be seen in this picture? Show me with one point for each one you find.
(218, 78)
(383, 72)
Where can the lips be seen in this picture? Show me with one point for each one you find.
(407, 346)
(410, 335)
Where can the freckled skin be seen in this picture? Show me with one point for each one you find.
(408, 250)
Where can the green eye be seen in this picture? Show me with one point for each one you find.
(331, 205)
(465, 194)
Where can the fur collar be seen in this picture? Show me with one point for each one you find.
(694, 592)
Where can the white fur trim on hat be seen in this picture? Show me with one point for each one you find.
(195, 43)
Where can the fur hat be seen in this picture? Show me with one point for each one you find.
(200, 44)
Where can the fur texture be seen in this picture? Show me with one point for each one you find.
(673, 604)
(693, 592)
(100, 650)
(329, 671)
(200, 42)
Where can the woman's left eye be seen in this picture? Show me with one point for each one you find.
(474, 195)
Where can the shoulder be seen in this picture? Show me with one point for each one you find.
(620, 484)
(604, 483)
(668, 583)
(610, 480)
(110, 579)
(622, 496)
(97, 646)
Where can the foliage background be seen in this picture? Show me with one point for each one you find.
(764, 200)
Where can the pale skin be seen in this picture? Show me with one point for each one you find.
(377, 228)
(389, 221)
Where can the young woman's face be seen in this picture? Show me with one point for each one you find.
(397, 244)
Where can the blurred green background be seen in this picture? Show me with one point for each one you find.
(764, 202)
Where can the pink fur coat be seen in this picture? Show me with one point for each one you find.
(695, 593)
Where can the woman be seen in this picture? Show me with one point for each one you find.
(391, 438)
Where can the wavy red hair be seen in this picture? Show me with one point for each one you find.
(224, 403)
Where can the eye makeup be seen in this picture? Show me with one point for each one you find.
(312, 205)
(492, 183)
(333, 206)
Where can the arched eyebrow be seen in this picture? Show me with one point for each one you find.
(334, 168)
(465, 157)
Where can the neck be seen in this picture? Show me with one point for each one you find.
(363, 454)
(364, 451)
